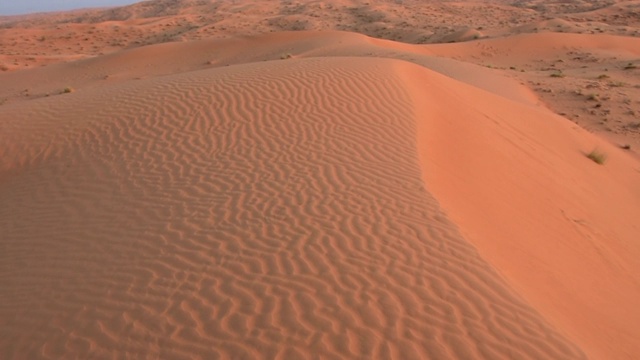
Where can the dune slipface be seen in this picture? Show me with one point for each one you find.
(269, 210)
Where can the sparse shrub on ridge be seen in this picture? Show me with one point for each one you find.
(597, 156)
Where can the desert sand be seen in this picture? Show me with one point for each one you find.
(336, 179)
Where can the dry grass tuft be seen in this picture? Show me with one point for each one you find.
(597, 156)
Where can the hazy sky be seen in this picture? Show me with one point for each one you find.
(13, 7)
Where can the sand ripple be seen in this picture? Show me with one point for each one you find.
(271, 210)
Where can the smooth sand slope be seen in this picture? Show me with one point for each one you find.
(562, 228)
(263, 210)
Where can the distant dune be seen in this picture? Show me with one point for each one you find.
(244, 180)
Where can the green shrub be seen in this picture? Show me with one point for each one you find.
(597, 156)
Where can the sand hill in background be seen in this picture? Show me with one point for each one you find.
(336, 179)
(594, 81)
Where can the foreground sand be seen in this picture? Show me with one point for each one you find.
(311, 194)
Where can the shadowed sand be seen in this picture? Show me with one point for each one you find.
(312, 194)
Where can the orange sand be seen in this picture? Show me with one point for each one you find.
(321, 194)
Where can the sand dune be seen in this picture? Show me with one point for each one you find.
(487, 29)
(262, 210)
(580, 229)
(321, 194)
(32, 40)
(173, 58)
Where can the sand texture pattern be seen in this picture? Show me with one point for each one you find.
(266, 211)
(344, 179)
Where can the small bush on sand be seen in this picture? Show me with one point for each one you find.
(597, 156)
(67, 90)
